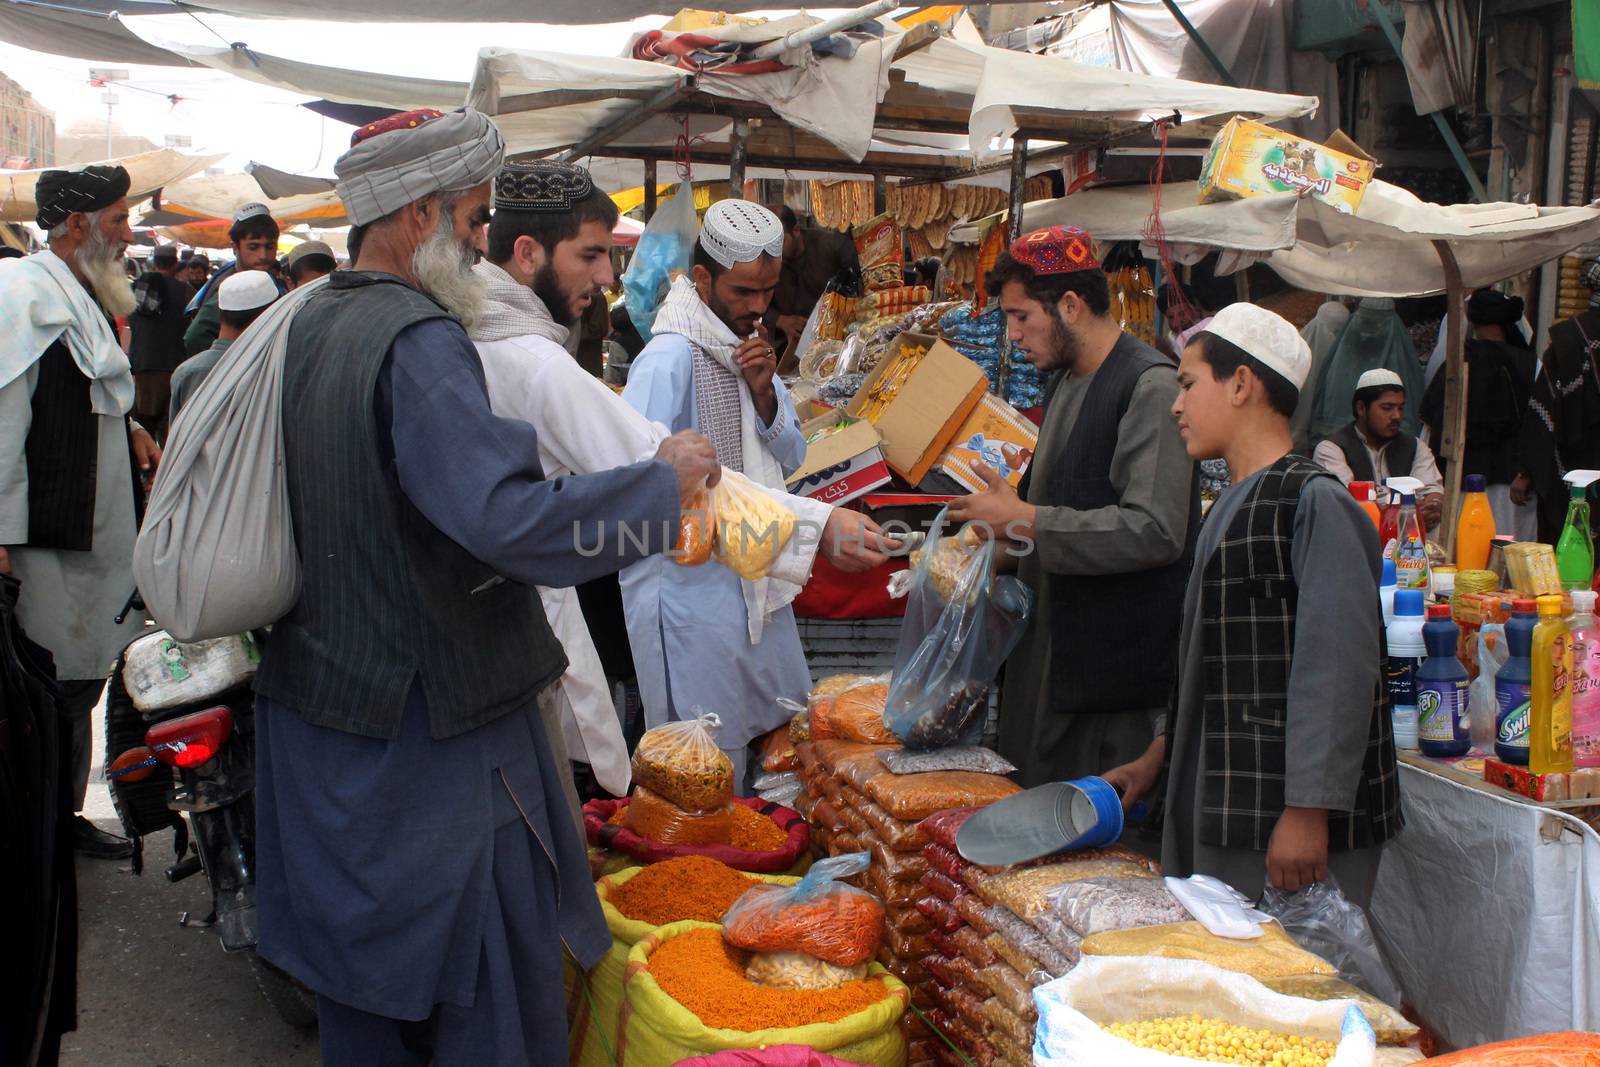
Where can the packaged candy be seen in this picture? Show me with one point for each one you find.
(681, 762)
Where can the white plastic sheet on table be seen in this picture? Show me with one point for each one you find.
(1489, 909)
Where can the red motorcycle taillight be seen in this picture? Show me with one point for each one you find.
(134, 765)
(190, 740)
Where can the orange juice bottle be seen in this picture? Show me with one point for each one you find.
(1363, 492)
(1475, 526)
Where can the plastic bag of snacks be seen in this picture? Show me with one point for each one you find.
(1010, 989)
(941, 885)
(1321, 918)
(912, 797)
(950, 649)
(654, 817)
(821, 916)
(1031, 969)
(1099, 904)
(1027, 892)
(766, 837)
(857, 713)
(681, 762)
(942, 827)
(697, 524)
(960, 758)
(797, 970)
(1030, 941)
(777, 751)
(939, 913)
(1272, 955)
(1392, 1027)
(898, 834)
(752, 526)
(881, 252)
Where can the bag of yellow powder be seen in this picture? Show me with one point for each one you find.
(752, 527)
(1272, 955)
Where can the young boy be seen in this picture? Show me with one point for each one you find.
(1281, 757)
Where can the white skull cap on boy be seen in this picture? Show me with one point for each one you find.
(1267, 336)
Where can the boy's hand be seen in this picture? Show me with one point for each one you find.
(1297, 854)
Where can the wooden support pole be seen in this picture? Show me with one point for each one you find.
(1452, 447)
(1019, 183)
(649, 189)
(880, 194)
(738, 152)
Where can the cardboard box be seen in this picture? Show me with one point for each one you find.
(1531, 567)
(844, 460)
(995, 434)
(1251, 159)
(918, 403)
(1524, 782)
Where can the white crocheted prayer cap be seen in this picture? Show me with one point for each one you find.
(1266, 336)
(246, 291)
(737, 231)
(1379, 376)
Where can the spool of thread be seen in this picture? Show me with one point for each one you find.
(1477, 582)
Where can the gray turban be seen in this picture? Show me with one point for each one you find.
(406, 157)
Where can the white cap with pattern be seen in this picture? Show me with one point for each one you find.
(1379, 376)
(1267, 336)
(246, 290)
(737, 231)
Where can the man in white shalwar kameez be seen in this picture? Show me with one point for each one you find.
(549, 250)
(70, 458)
(704, 640)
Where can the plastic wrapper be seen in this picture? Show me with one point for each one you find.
(1095, 905)
(1391, 1027)
(916, 796)
(951, 647)
(777, 752)
(607, 833)
(697, 525)
(898, 834)
(681, 762)
(908, 946)
(979, 337)
(969, 944)
(649, 815)
(963, 1003)
(810, 762)
(1010, 989)
(908, 920)
(943, 826)
(1062, 937)
(881, 251)
(941, 885)
(752, 526)
(1321, 919)
(1027, 892)
(819, 703)
(820, 916)
(853, 763)
(856, 824)
(939, 913)
(665, 246)
(946, 861)
(797, 970)
(911, 972)
(1029, 941)
(1011, 1037)
(800, 727)
(944, 560)
(841, 388)
(1021, 962)
(897, 866)
(973, 758)
(893, 894)
(966, 975)
(1568, 1048)
(825, 816)
(844, 841)
(1272, 955)
(786, 795)
(857, 713)
(973, 912)
(776, 780)
(1098, 992)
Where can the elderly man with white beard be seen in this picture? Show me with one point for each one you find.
(70, 458)
(416, 864)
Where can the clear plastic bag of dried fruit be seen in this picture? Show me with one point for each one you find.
(681, 762)
(819, 916)
(951, 647)
(697, 527)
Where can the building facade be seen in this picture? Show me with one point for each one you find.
(27, 130)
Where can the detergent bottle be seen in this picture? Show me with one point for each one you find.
(1550, 691)
(1363, 492)
(1585, 680)
(1474, 526)
(1406, 650)
(1575, 549)
(1443, 730)
(1386, 592)
(1411, 541)
(1512, 684)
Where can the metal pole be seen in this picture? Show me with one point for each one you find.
(1452, 447)
(1200, 43)
(810, 34)
(1019, 182)
(738, 149)
(649, 189)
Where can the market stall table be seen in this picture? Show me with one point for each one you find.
(1489, 907)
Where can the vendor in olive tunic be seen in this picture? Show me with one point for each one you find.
(417, 867)
(1103, 525)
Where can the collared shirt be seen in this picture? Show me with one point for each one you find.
(1423, 468)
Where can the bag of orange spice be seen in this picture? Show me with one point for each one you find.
(697, 525)
(820, 916)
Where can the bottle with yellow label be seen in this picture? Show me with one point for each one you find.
(1550, 703)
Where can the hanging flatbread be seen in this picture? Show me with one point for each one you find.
(936, 233)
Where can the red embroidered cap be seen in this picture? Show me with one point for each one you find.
(1055, 250)
(405, 120)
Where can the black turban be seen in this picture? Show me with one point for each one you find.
(1489, 307)
(59, 193)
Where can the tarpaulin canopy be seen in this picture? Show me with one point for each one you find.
(569, 12)
(148, 171)
(545, 102)
(85, 29)
(280, 183)
(1385, 249)
(218, 197)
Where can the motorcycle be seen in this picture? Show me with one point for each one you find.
(180, 755)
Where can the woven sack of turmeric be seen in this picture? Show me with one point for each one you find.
(688, 996)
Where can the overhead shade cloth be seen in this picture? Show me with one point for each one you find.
(280, 183)
(218, 197)
(147, 171)
(1386, 249)
(567, 12)
(85, 29)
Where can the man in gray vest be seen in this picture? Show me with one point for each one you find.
(417, 865)
(1373, 448)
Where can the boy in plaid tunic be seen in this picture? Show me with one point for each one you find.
(1280, 752)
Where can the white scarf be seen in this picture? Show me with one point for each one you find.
(685, 314)
(42, 300)
(512, 309)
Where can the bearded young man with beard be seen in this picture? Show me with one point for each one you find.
(416, 866)
(71, 460)
(1108, 513)
(549, 254)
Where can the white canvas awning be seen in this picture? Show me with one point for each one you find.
(147, 171)
(1386, 249)
(220, 196)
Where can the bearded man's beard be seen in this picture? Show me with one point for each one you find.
(100, 260)
(547, 287)
(442, 266)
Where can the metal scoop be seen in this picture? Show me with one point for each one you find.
(1060, 816)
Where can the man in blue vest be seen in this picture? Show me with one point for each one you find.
(418, 867)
